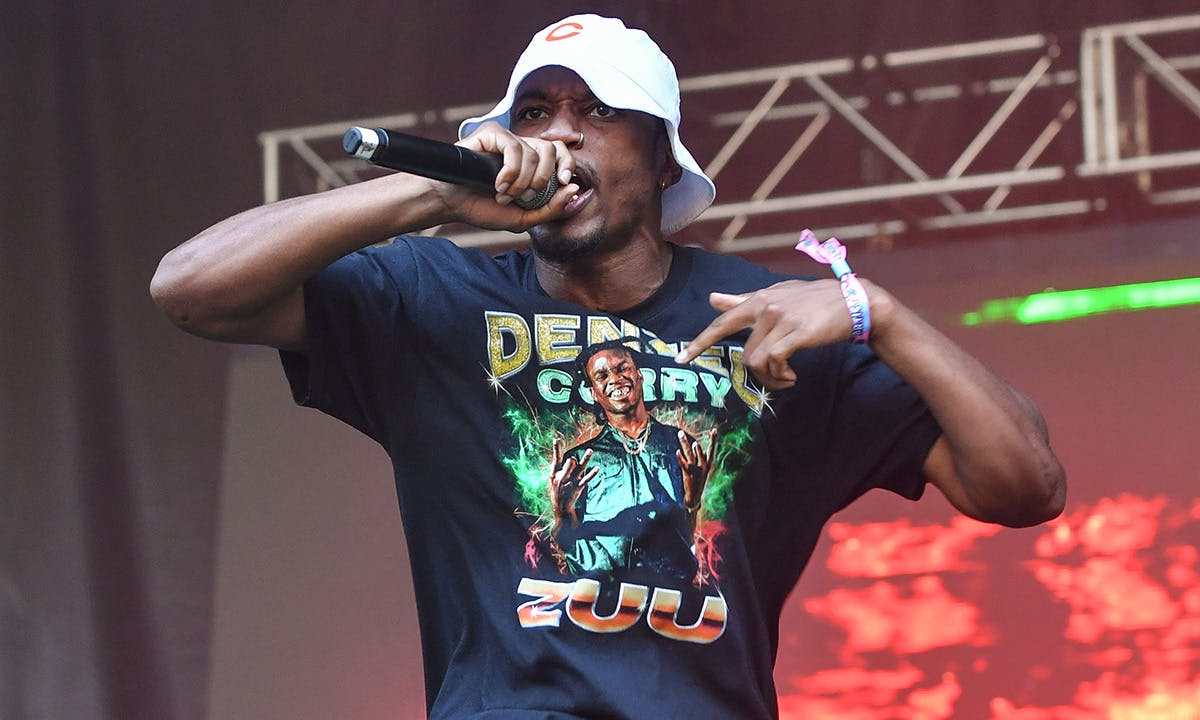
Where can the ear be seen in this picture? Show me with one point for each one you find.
(671, 171)
(671, 174)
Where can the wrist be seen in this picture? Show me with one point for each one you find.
(884, 307)
(858, 302)
(421, 203)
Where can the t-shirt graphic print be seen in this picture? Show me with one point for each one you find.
(623, 465)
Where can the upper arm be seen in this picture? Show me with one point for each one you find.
(1035, 507)
(279, 324)
(940, 472)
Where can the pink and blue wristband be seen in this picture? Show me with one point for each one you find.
(833, 253)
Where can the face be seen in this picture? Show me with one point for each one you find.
(624, 158)
(615, 381)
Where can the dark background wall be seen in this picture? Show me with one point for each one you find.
(131, 126)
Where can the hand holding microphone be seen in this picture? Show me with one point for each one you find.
(437, 160)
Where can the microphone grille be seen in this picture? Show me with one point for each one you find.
(541, 198)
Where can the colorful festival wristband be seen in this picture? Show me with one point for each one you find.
(833, 253)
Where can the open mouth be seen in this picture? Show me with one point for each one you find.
(583, 179)
(581, 197)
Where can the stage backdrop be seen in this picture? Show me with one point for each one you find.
(148, 525)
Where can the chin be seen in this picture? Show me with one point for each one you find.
(625, 406)
(551, 243)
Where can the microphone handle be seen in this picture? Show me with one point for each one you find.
(421, 156)
(436, 160)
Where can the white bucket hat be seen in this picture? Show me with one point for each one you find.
(626, 70)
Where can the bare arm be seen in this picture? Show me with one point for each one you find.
(240, 280)
(993, 461)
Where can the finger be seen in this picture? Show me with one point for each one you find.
(779, 356)
(558, 449)
(513, 151)
(775, 370)
(525, 186)
(686, 448)
(565, 163)
(554, 208)
(704, 463)
(727, 323)
(712, 445)
(583, 461)
(547, 212)
(549, 165)
(544, 160)
(587, 477)
(767, 354)
(725, 301)
(766, 323)
(493, 138)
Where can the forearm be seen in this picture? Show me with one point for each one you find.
(1002, 467)
(242, 265)
(993, 461)
(240, 279)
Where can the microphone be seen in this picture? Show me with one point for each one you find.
(437, 160)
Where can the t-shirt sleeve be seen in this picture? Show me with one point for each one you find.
(881, 430)
(355, 329)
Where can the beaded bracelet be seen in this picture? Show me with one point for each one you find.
(833, 253)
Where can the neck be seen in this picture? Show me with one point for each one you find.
(632, 424)
(609, 281)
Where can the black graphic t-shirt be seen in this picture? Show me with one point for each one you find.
(595, 531)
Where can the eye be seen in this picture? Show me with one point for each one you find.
(530, 113)
(601, 110)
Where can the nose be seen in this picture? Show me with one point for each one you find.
(565, 128)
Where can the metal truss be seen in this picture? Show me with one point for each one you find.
(974, 134)
(1119, 130)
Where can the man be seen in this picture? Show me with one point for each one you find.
(629, 497)
(452, 360)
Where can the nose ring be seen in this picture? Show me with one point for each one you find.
(579, 144)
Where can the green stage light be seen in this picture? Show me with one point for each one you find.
(1056, 306)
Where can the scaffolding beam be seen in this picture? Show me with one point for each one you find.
(1112, 111)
